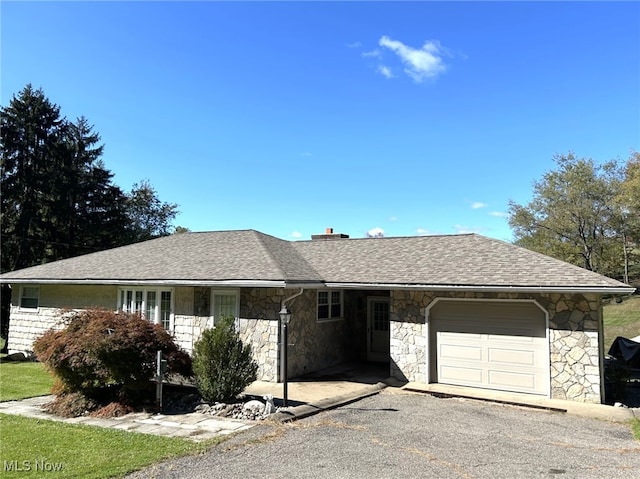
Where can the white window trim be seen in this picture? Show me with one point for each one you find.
(158, 291)
(25, 308)
(226, 292)
(330, 319)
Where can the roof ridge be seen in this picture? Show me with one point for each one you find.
(291, 250)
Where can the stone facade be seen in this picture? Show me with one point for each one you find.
(574, 322)
(575, 339)
(576, 347)
(313, 345)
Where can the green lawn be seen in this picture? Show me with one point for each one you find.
(75, 451)
(38, 448)
(621, 319)
(21, 380)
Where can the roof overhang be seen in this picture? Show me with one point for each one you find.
(229, 283)
(253, 283)
(486, 288)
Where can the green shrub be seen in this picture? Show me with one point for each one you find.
(222, 364)
(106, 355)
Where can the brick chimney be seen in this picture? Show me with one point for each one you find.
(329, 235)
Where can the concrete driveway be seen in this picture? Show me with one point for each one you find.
(398, 434)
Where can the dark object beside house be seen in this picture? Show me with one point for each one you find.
(626, 351)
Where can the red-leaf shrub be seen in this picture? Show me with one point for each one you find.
(108, 355)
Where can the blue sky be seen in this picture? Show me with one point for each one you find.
(291, 117)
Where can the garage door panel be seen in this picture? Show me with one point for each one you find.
(495, 345)
(455, 335)
(461, 352)
(479, 327)
(462, 375)
(511, 356)
(509, 379)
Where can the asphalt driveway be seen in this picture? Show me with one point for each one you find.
(397, 434)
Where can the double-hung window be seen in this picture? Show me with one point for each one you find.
(29, 297)
(329, 305)
(225, 303)
(154, 305)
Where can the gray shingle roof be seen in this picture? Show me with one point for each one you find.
(459, 260)
(250, 256)
(190, 257)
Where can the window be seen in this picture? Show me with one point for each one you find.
(29, 297)
(152, 304)
(225, 303)
(329, 305)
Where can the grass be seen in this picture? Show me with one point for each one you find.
(21, 380)
(621, 319)
(32, 447)
(75, 451)
(635, 428)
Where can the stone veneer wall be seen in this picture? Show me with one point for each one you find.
(257, 323)
(258, 326)
(575, 339)
(314, 345)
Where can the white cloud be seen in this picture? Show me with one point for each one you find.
(376, 232)
(393, 218)
(372, 54)
(385, 71)
(478, 204)
(354, 45)
(499, 214)
(296, 234)
(425, 62)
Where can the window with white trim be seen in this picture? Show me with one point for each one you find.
(224, 303)
(154, 305)
(29, 297)
(329, 305)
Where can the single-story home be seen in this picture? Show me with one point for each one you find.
(462, 310)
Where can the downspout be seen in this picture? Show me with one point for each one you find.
(285, 300)
(283, 346)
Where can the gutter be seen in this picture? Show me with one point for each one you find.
(334, 285)
(488, 289)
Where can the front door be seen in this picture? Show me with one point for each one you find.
(378, 329)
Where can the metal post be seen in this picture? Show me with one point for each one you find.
(285, 341)
(159, 374)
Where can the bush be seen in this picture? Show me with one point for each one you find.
(106, 355)
(222, 364)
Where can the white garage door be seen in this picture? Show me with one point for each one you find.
(493, 345)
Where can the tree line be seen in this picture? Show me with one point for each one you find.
(58, 198)
(585, 213)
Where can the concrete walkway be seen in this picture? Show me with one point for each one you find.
(306, 396)
(194, 426)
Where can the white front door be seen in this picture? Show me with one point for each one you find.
(378, 329)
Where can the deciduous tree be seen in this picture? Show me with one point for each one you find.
(573, 215)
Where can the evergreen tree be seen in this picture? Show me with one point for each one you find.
(32, 133)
